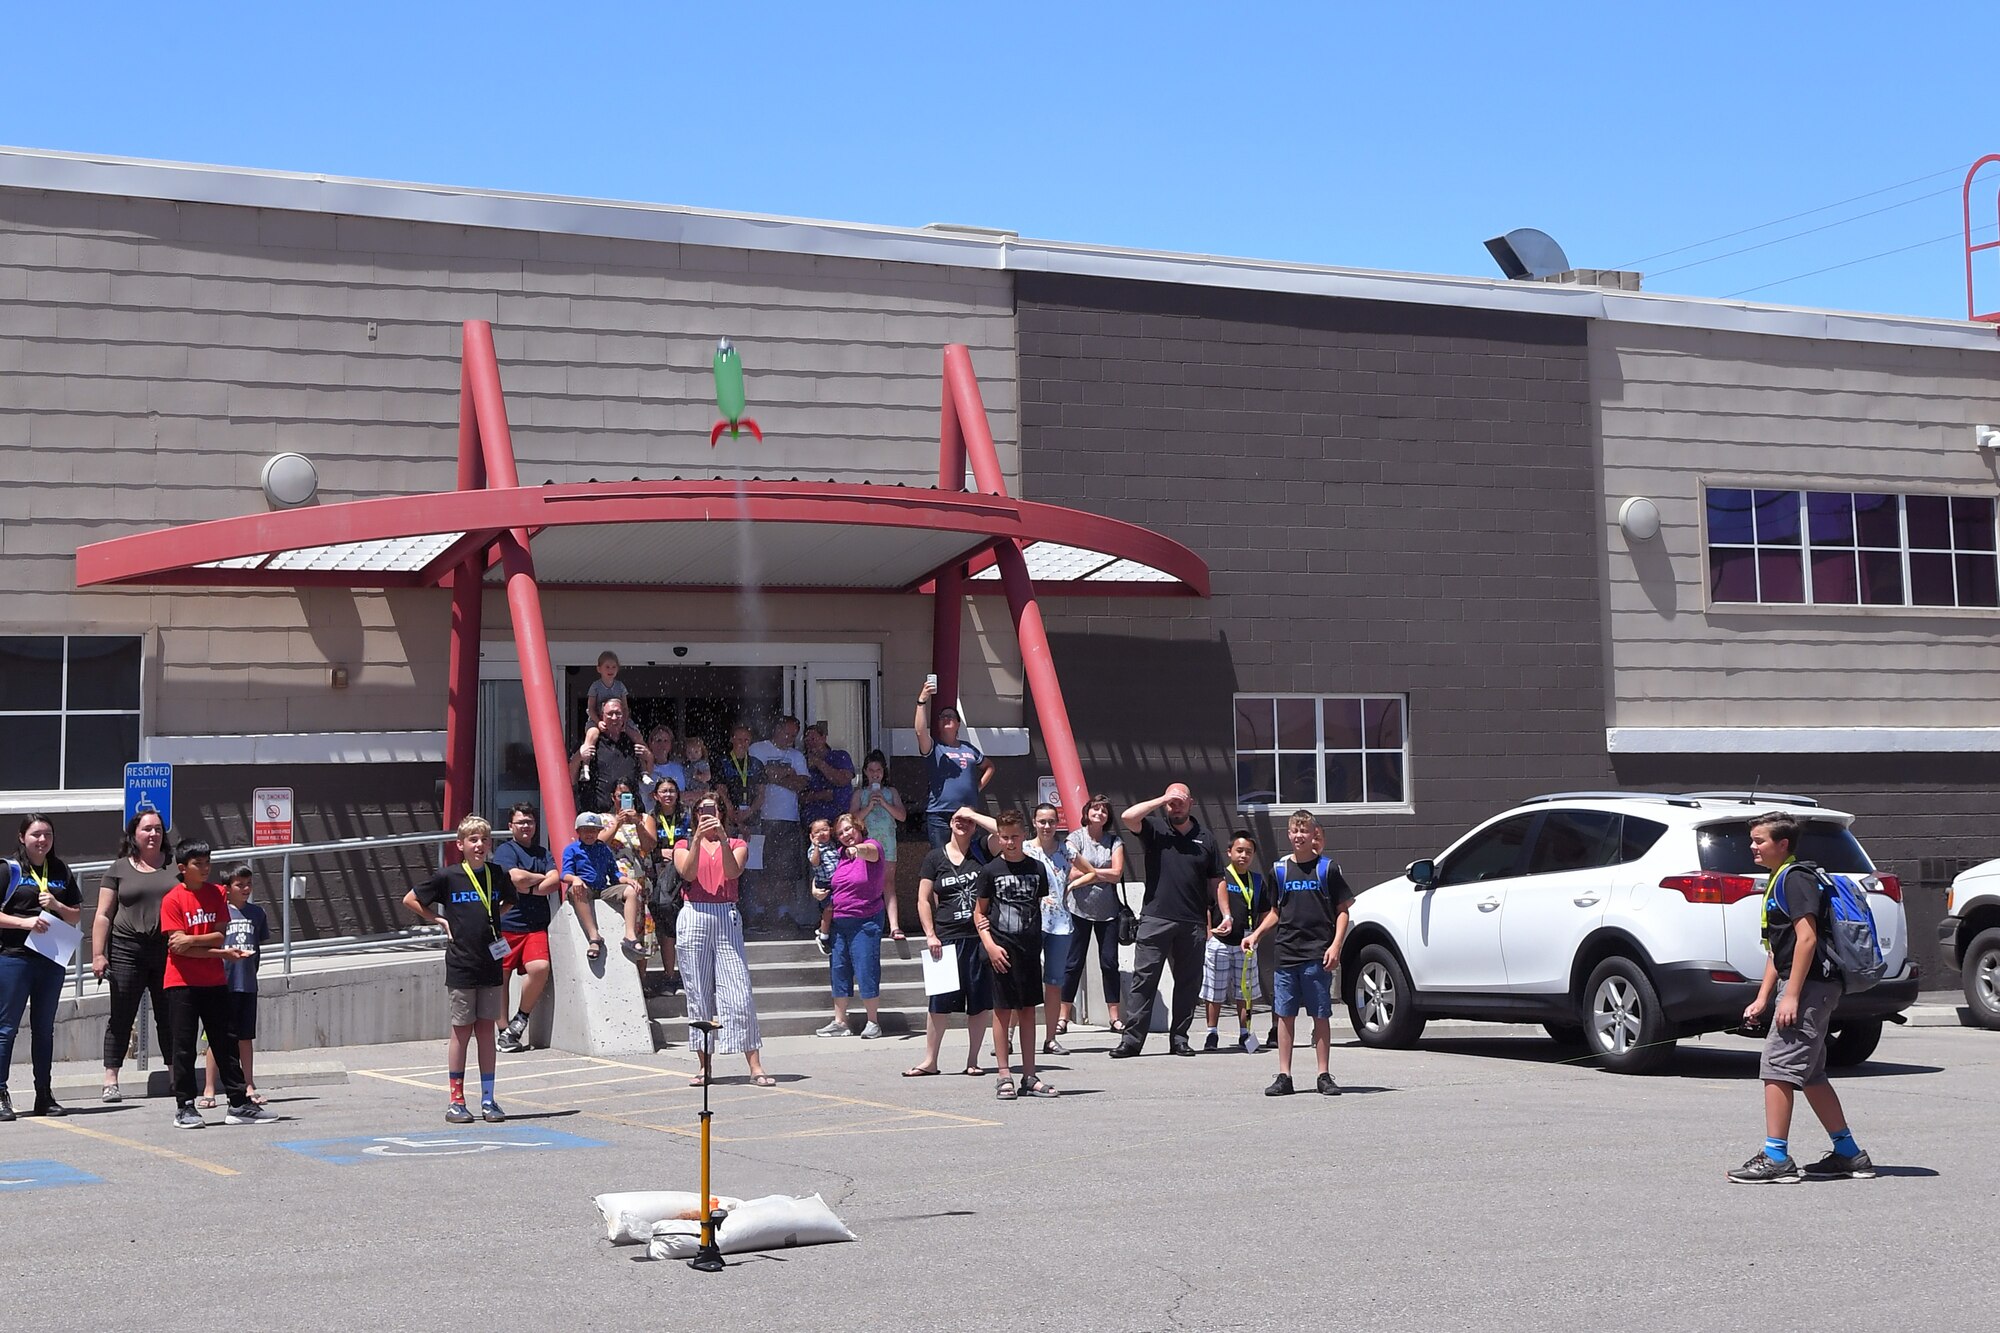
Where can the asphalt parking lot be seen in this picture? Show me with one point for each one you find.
(1478, 1181)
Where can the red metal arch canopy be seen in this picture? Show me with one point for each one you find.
(792, 536)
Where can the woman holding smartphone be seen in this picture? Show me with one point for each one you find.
(668, 824)
(879, 807)
(710, 938)
(632, 841)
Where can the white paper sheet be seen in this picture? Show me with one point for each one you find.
(941, 973)
(58, 942)
(753, 852)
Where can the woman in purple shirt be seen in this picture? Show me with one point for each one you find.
(857, 901)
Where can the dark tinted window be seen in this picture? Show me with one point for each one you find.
(1492, 853)
(1574, 840)
(1725, 848)
(1638, 838)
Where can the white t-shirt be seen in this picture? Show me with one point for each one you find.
(780, 802)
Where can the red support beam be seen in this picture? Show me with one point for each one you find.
(948, 582)
(1038, 665)
(461, 707)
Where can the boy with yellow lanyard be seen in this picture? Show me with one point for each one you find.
(1226, 974)
(466, 900)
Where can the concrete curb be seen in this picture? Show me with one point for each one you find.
(80, 1084)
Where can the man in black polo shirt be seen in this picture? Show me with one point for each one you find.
(1183, 889)
(607, 757)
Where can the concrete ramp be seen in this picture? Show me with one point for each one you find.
(592, 1008)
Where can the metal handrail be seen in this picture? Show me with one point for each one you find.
(285, 853)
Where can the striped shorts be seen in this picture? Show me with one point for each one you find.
(709, 938)
(1222, 974)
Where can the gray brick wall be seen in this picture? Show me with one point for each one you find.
(1391, 499)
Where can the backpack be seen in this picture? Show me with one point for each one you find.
(1319, 879)
(1847, 927)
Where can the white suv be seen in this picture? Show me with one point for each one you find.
(1619, 920)
(1970, 935)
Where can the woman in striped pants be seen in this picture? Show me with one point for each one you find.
(709, 936)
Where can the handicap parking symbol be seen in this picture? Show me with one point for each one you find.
(41, 1175)
(427, 1144)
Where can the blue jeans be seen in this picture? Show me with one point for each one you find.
(33, 985)
(857, 956)
(937, 826)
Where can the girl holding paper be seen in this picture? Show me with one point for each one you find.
(39, 888)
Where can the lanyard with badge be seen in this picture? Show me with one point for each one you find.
(1764, 906)
(498, 948)
(41, 880)
(1249, 894)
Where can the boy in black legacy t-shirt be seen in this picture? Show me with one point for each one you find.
(466, 900)
(1795, 1051)
(1309, 902)
(1008, 914)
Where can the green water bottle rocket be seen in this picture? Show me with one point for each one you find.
(729, 396)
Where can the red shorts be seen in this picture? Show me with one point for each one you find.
(524, 949)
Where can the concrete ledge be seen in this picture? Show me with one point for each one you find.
(79, 1082)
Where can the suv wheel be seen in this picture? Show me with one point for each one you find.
(1380, 1001)
(1851, 1043)
(1624, 1025)
(1982, 978)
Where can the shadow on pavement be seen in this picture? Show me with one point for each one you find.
(1689, 1061)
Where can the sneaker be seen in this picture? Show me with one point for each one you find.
(1249, 1043)
(490, 1112)
(871, 1031)
(46, 1104)
(456, 1114)
(6, 1107)
(112, 1096)
(1281, 1086)
(1214, 1041)
(674, 983)
(249, 1113)
(509, 1041)
(836, 1028)
(824, 941)
(1271, 1037)
(189, 1118)
(1761, 1170)
(1839, 1165)
(1327, 1087)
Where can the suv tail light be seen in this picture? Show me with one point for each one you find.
(1710, 887)
(1891, 887)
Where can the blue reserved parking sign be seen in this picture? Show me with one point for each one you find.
(41, 1175)
(425, 1145)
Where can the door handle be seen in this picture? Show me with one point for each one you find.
(1588, 900)
(1490, 905)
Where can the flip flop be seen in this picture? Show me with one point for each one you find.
(974, 1071)
(697, 1082)
(764, 1081)
(920, 1072)
(207, 1103)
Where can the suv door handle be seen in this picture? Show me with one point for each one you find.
(1588, 900)
(1490, 905)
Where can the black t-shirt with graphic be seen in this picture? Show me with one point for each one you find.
(956, 882)
(1013, 893)
(1802, 897)
(23, 898)
(1307, 909)
(468, 960)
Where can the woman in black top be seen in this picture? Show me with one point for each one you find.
(30, 981)
(126, 947)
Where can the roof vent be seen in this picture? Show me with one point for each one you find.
(1527, 254)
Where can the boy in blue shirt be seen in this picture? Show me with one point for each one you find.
(588, 868)
(248, 928)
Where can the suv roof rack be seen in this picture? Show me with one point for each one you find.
(1667, 797)
(1754, 797)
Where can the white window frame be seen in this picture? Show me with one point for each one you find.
(52, 798)
(1406, 805)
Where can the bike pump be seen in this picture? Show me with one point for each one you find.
(707, 1259)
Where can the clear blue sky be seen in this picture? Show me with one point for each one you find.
(1386, 136)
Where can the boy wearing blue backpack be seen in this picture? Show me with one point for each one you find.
(1308, 913)
(1795, 929)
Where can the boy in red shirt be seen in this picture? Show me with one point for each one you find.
(193, 916)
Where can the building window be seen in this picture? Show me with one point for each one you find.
(1852, 548)
(1343, 750)
(69, 705)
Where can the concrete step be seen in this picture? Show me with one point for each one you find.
(672, 1032)
(813, 997)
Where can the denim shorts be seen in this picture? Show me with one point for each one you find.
(1055, 957)
(856, 961)
(1307, 986)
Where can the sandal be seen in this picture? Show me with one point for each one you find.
(1054, 1048)
(206, 1103)
(764, 1081)
(256, 1097)
(1032, 1086)
(633, 950)
(1118, 1026)
(1005, 1090)
(595, 951)
(698, 1081)
(1062, 1027)
(974, 1071)
(919, 1072)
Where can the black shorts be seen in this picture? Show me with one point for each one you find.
(975, 981)
(1020, 986)
(243, 1014)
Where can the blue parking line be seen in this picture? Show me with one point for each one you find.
(41, 1175)
(429, 1144)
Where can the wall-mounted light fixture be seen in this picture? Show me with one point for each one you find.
(290, 480)
(1640, 519)
(338, 678)
(1987, 438)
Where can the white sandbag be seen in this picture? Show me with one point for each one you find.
(629, 1217)
(775, 1222)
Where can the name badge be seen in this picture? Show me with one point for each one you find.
(498, 949)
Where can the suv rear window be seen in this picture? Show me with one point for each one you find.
(1725, 848)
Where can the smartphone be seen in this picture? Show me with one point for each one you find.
(625, 800)
(930, 682)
